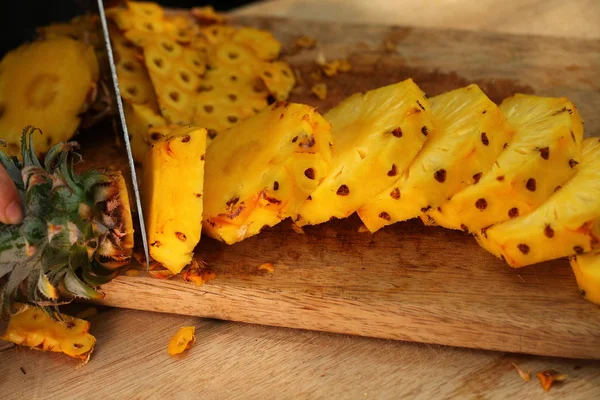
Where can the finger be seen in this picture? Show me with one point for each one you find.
(10, 202)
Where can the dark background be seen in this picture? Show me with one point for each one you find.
(19, 18)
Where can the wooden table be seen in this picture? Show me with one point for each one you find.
(234, 360)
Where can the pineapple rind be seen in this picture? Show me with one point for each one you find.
(173, 206)
(546, 139)
(376, 135)
(469, 133)
(587, 273)
(568, 223)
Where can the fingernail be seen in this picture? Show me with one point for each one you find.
(14, 214)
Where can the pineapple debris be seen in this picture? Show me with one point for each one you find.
(88, 313)
(526, 376)
(268, 267)
(207, 15)
(305, 42)
(320, 90)
(298, 229)
(182, 340)
(332, 68)
(363, 228)
(548, 377)
(197, 273)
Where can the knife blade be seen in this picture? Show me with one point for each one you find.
(123, 126)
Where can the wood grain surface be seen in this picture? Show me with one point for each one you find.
(406, 282)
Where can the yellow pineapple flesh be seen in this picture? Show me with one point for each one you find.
(172, 191)
(566, 224)
(259, 172)
(140, 121)
(32, 327)
(542, 156)
(587, 273)
(376, 136)
(48, 84)
(469, 133)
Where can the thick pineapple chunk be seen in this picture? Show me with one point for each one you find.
(376, 134)
(469, 133)
(173, 183)
(47, 84)
(32, 327)
(260, 171)
(568, 223)
(541, 157)
(587, 272)
(140, 119)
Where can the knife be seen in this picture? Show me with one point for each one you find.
(123, 126)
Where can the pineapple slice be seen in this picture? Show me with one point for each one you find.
(48, 84)
(540, 158)
(470, 132)
(32, 327)
(173, 181)
(568, 223)
(260, 171)
(377, 134)
(587, 272)
(140, 119)
(264, 45)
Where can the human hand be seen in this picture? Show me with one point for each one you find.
(10, 202)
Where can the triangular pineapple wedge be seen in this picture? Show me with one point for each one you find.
(140, 120)
(540, 158)
(568, 223)
(376, 134)
(260, 171)
(587, 272)
(172, 190)
(469, 133)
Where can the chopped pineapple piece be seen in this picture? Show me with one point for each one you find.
(262, 43)
(260, 171)
(182, 340)
(376, 136)
(587, 272)
(279, 79)
(470, 132)
(32, 327)
(207, 15)
(542, 156)
(140, 119)
(567, 224)
(319, 90)
(172, 190)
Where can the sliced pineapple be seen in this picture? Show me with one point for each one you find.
(173, 184)
(469, 133)
(587, 272)
(376, 134)
(264, 45)
(279, 79)
(140, 120)
(47, 84)
(260, 171)
(542, 156)
(32, 327)
(568, 223)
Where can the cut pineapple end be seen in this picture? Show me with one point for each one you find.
(587, 273)
(183, 340)
(32, 327)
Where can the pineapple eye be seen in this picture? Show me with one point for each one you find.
(184, 76)
(158, 62)
(268, 74)
(233, 78)
(232, 55)
(393, 171)
(149, 26)
(208, 108)
(233, 119)
(174, 96)
(132, 90)
(385, 216)
(285, 73)
(168, 46)
(232, 97)
(128, 66)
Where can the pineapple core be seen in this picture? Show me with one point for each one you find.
(567, 224)
(469, 134)
(172, 192)
(587, 272)
(260, 171)
(376, 134)
(542, 155)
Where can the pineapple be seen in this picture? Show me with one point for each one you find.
(183, 340)
(567, 224)
(260, 171)
(140, 121)
(49, 83)
(542, 156)
(33, 328)
(587, 272)
(172, 190)
(376, 134)
(469, 133)
(77, 229)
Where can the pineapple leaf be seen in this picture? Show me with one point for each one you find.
(27, 147)
(94, 279)
(46, 288)
(78, 288)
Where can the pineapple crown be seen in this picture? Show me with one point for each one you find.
(77, 229)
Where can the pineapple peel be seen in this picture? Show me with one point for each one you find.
(183, 340)
(33, 328)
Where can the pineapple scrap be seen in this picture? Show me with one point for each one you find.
(587, 273)
(207, 15)
(331, 68)
(32, 327)
(470, 133)
(305, 42)
(260, 171)
(141, 120)
(567, 224)
(268, 267)
(262, 43)
(174, 206)
(319, 90)
(49, 84)
(526, 376)
(182, 340)
(376, 136)
(88, 313)
(548, 377)
(197, 274)
(548, 137)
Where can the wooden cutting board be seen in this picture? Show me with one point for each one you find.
(406, 282)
